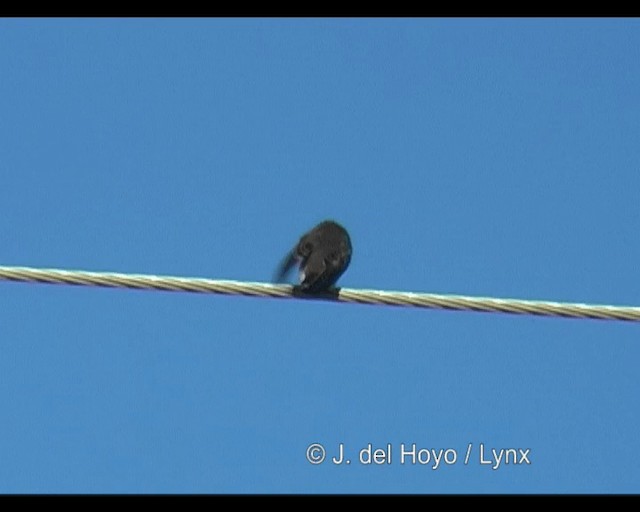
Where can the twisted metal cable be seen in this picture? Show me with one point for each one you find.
(281, 291)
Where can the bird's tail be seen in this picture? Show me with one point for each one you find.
(285, 267)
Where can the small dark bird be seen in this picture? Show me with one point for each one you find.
(323, 255)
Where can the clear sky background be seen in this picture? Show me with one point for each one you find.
(478, 157)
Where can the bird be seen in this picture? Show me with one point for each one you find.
(322, 254)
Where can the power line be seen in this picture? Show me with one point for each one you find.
(281, 291)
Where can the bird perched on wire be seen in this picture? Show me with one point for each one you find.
(323, 254)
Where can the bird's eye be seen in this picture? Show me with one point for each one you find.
(334, 258)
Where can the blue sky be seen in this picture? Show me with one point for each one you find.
(478, 157)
